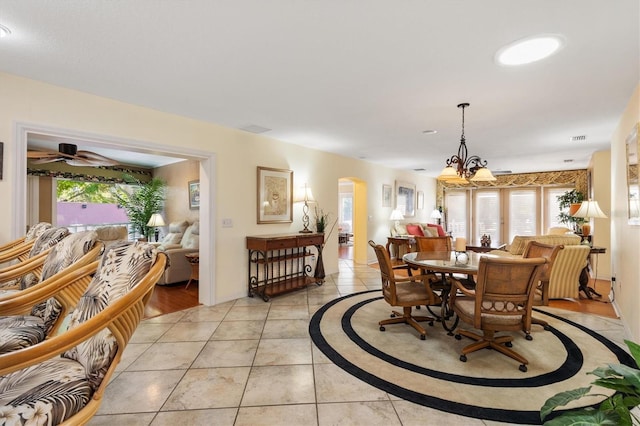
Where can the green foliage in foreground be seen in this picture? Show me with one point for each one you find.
(615, 410)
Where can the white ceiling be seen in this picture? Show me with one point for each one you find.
(361, 78)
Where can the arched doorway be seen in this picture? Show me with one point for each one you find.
(352, 196)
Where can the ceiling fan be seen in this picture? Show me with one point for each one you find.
(69, 153)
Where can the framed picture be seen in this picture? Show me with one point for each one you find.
(406, 198)
(1, 158)
(420, 200)
(386, 195)
(633, 184)
(275, 195)
(194, 194)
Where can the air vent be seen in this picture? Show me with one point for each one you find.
(568, 160)
(254, 128)
(502, 172)
(578, 138)
(418, 170)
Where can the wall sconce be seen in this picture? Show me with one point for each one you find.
(155, 221)
(304, 195)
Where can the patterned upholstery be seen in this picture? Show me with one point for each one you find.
(37, 229)
(20, 331)
(47, 239)
(55, 390)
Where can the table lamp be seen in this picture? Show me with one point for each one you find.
(304, 195)
(155, 221)
(397, 216)
(589, 209)
(435, 214)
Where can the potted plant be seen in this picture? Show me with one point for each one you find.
(571, 200)
(322, 219)
(615, 410)
(145, 199)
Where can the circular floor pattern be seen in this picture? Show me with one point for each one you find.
(428, 372)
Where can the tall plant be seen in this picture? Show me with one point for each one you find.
(564, 203)
(141, 201)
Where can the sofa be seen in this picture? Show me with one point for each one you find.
(415, 229)
(182, 238)
(569, 263)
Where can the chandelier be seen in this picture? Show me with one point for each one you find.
(460, 167)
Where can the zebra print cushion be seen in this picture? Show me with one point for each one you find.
(53, 391)
(48, 238)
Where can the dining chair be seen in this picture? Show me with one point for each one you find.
(541, 290)
(501, 301)
(63, 378)
(405, 292)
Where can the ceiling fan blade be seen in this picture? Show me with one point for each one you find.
(46, 160)
(97, 159)
(42, 154)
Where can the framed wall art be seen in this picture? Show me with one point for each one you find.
(1, 158)
(275, 195)
(194, 194)
(420, 201)
(386, 195)
(406, 198)
(633, 184)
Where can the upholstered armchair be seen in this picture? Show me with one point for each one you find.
(63, 378)
(19, 249)
(183, 238)
(29, 271)
(33, 313)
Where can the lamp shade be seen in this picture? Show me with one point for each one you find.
(303, 194)
(483, 175)
(156, 220)
(435, 214)
(590, 209)
(396, 215)
(448, 173)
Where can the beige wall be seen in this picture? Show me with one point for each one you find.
(625, 239)
(177, 176)
(237, 154)
(601, 228)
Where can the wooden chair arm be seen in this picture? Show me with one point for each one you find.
(30, 265)
(15, 251)
(11, 244)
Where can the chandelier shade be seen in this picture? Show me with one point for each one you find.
(461, 168)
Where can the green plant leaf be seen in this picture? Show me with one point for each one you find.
(634, 348)
(562, 398)
(631, 375)
(586, 418)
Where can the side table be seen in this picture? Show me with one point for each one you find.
(400, 240)
(194, 260)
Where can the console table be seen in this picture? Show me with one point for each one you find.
(278, 263)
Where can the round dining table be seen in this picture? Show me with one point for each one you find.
(446, 264)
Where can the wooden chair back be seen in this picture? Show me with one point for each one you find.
(434, 244)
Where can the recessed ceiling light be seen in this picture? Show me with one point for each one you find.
(4, 31)
(429, 132)
(529, 49)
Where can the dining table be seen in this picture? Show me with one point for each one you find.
(446, 264)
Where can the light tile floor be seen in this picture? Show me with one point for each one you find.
(248, 362)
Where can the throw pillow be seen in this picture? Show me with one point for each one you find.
(415, 230)
(401, 229)
(429, 231)
(440, 229)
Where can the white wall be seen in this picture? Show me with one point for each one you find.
(237, 155)
(625, 239)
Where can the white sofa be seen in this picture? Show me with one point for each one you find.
(183, 238)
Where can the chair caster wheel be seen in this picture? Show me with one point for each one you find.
(509, 344)
(458, 337)
(523, 368)
(423, 337)
(382, 328)
(431, 324)
(392, 316)
(418, 307)
(463, 358)
(528, 337)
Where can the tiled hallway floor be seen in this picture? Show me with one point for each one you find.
(248, 362)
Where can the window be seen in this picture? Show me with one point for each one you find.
(456, 218)
(487, 215)
(522, 212)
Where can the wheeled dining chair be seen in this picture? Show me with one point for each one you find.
(63, 379)
(405, 292)
(501, 301)
(541, 290)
